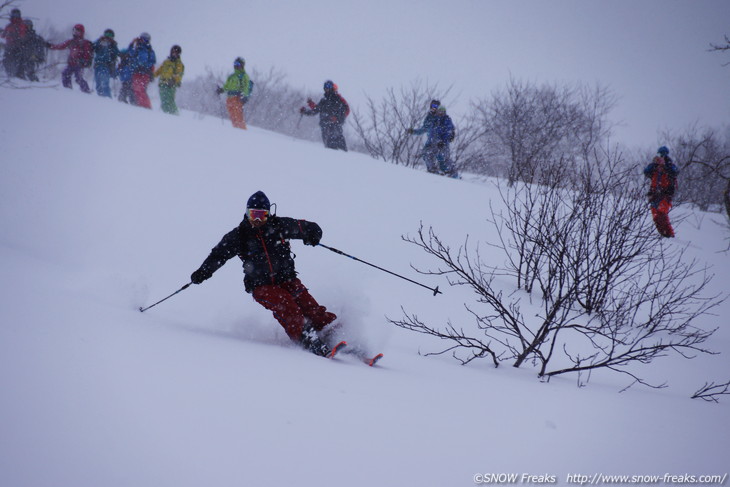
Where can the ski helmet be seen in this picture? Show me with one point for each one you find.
(663, 151)
(145, 37)
(435, 104)
(258, 201)
(15, 13)
(79, 30)
(239, 63)
(329, 85)
(109, 33)
(176, 50)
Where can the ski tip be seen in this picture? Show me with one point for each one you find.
(375, 359)
(337, 348)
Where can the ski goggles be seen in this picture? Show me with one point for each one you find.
(257, 214)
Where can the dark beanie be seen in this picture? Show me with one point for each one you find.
(259, 201)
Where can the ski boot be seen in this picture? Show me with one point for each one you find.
(311, 341)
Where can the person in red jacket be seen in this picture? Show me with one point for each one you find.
(663, 175)
(79, 57)
(261, 241)
(14, 35)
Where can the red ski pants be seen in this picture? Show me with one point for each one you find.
(660, 213)
(292, 306)
(139, 87)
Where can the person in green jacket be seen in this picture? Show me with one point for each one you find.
(238, 88)
(170, 74)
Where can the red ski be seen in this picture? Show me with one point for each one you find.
(373, 360)
(367, 359)
(356, 351)
(337, 348)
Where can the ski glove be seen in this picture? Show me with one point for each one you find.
(199, 276)
(313, 237)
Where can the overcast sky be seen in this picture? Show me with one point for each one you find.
(651, 53)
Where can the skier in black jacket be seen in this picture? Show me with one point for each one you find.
(332, 109)
(261, 241)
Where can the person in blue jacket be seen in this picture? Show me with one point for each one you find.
(124, 71)
(440, 132)
(142, 60)
(106, 53)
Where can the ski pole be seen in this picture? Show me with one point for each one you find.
(435, 290)
(163, 299)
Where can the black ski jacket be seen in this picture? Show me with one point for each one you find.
(265, 251)
(332, 109)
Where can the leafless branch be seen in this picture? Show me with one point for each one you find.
(712, 392)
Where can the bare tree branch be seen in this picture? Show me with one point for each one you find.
(721, 47)
(712, 392)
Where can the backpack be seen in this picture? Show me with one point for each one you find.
(663, 181)
(86, 53)
(250, 90)
(142, 58)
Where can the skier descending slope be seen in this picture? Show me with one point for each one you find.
(261, 241)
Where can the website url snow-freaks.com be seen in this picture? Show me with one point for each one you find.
(599, 479)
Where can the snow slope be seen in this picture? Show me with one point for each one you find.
(105, 208)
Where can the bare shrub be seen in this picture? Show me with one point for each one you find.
(610, 293)
(526, 127)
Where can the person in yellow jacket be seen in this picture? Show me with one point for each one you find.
(238, 88)
(170, 74)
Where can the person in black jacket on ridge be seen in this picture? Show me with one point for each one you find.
(333, 110)
(261, 241)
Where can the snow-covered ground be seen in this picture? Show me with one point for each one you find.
(106, 207)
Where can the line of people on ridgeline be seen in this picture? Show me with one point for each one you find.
(25, 51)
(135, 68)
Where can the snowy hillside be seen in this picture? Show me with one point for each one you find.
(105, 208)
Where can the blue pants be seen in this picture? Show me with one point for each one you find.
(438, 159)
(102, 77)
